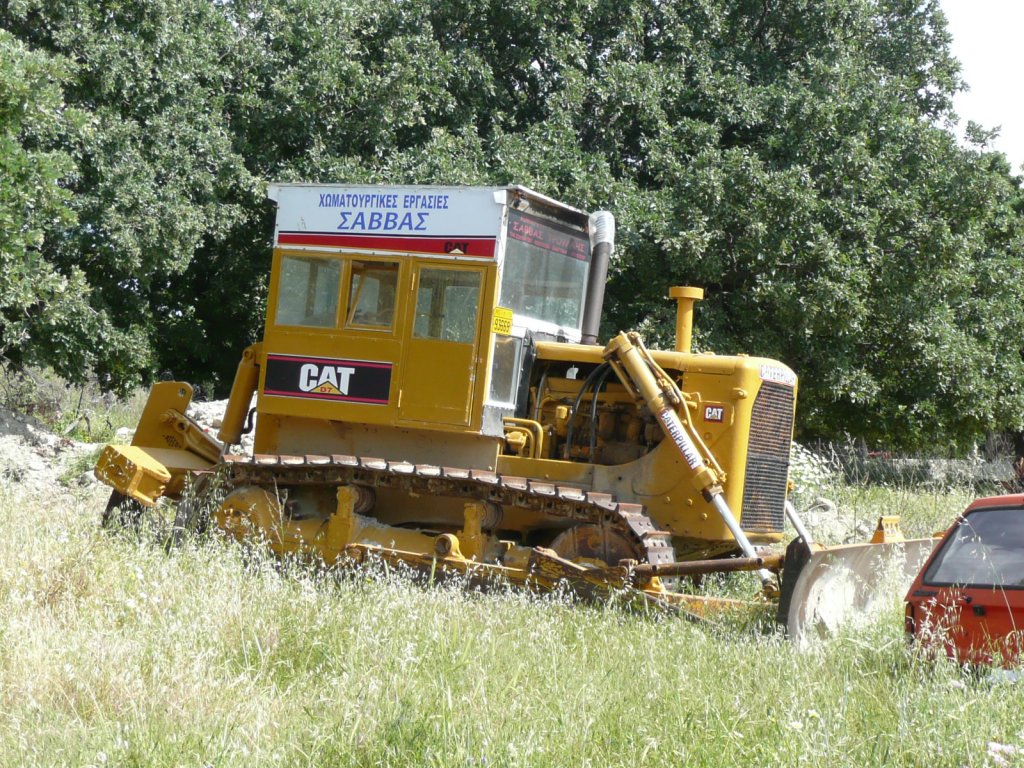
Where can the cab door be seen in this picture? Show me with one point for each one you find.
(441, 346)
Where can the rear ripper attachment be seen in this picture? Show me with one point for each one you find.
(429, 389)
(166, 448)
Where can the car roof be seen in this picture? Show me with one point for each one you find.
(1006, 500)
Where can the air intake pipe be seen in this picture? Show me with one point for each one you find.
(602, 242)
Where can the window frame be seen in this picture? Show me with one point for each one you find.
(517, 363)
(345, 316)
(950, 546)
(522, 252)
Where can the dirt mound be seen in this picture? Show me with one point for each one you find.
(37, 459)
(31, 456)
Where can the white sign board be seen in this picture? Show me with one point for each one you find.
(452, 221)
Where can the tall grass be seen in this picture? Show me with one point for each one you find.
(78, 411)
(922, 511)
(844, 498)
(114, 653)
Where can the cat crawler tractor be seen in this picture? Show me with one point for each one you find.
(429, 390)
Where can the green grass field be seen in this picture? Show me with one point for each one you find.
(115, 653)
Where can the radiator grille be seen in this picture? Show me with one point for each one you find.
(764, 484)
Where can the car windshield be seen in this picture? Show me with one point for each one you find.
(986, 549)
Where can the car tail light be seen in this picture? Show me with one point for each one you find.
(908, 619)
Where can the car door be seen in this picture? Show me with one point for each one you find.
(971, 593)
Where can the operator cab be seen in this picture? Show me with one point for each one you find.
(413, 307)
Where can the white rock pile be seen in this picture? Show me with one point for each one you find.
(210, 415)
(31, 456)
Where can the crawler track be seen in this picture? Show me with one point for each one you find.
(628, 520)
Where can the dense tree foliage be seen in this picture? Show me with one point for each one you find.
(44, 313)
(795, 158)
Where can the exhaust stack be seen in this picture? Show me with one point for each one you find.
(602, 243)
(685, 298)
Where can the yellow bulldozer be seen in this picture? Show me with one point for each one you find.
(429, 390)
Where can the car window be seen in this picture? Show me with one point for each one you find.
(986, 549)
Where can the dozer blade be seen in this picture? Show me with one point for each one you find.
(831, 586)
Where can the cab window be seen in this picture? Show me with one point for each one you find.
(307, 292)
(446, 305)
(373, 286)
(505, 368)
(545, 272)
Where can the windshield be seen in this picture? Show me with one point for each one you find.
(545, 273)
(986, 549)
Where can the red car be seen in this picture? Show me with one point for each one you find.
(968, 599)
